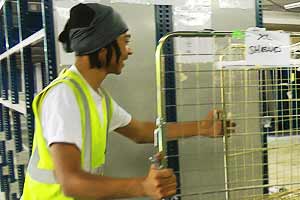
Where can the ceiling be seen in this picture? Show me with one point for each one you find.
(278, 5)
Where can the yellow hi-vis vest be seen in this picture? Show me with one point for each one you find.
(40, 182)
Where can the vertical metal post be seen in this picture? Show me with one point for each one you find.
(2, 143)
(10, 41)
(265, 113)
(3, 150)
(18, 148)
(22, 19)
(1, 78)
(29, 92)
(164, 24)
(49, 41)
(26, 63)
(9, 156)
(22, 11)
(5, 63)
(44, 75)
(4, 74)
(259, 14)
(12, 37)
(259, 23)
(225, 138)
(2, 36)
(14, 79)
(3, 178)
(11, 168)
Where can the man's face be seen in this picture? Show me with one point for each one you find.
(123, 42)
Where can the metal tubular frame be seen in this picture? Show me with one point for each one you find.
(164, 24)
(161, 101)
(161, 82)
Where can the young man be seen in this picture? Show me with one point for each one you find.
(73, 115)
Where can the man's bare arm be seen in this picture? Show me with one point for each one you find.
(77, 183)
(142, 132)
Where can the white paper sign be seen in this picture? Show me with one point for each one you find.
(267, 48)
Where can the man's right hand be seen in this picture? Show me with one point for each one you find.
(160, 183)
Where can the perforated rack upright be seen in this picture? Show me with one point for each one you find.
(26, 40)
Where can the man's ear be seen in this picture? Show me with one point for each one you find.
(102, 56)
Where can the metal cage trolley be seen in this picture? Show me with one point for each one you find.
(260, 159)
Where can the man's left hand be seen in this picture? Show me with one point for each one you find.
(213, 123)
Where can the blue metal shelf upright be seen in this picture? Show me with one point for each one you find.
(164, 25)
(26, 38)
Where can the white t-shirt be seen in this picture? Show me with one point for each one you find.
(60, 115)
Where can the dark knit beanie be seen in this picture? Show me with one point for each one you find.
(91, 27)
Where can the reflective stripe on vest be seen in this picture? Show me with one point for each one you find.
(47, 176)
(108, 110)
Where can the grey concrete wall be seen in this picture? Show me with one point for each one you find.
(232, 18)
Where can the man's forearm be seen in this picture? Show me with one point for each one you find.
(174, 130)
(77, 183)
(85, 185)
(143, 132)
(185, 129)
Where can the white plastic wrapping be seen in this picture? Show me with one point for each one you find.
(147, 2)
(63, 6)
(243, 4)
(2, 3)
(193, 15)
(144, 2)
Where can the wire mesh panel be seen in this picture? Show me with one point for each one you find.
(260, 158)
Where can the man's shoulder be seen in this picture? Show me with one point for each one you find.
(61, 93)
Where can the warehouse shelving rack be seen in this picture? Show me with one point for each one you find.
(27, 51)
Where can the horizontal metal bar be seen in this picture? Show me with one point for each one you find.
(234, 135)
(252, 71)
(241, 153)
(237, 102)
(266, 133)
(34, 38)
(238, 87)
(239, 167)
(235, 189)
(200, 54)
(241, 63)
(250, 188)
(21, 107)
(262, 149)
(179, 34)
(2, 2)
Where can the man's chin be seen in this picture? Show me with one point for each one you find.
(118, 72)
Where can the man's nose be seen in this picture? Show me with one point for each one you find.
(130, 51)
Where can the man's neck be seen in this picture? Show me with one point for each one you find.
(93, 76)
